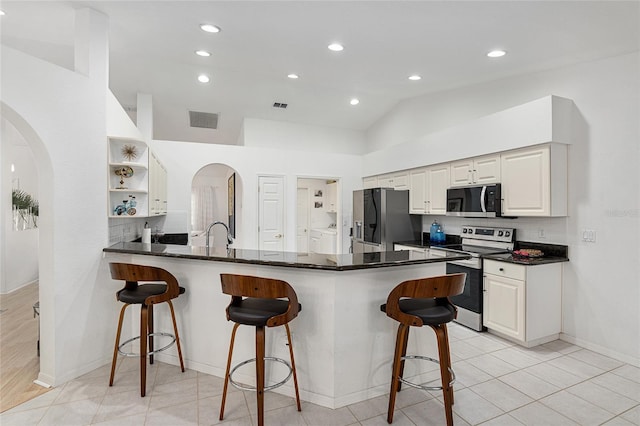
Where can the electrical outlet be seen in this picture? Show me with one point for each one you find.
(541, 233)
(589, 235)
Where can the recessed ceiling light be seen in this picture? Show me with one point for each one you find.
(210, 28)
(415, 77)
(336, 47)
(202, 78)
(293, 76)
(496, 53)
(354, 101)
(203, 53)
(1, 12)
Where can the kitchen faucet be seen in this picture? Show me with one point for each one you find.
(229, 238)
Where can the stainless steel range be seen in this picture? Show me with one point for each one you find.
(476, 242)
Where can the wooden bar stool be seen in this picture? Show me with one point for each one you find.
(258, 302)
(417, 303)
(145, 295)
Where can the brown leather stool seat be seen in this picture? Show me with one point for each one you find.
(146, 295)
(417, 303)
(258, 302)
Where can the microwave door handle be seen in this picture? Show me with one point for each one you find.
(483, 195)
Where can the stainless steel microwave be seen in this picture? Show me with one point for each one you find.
(474, 201)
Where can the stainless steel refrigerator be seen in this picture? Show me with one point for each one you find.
(380, 218)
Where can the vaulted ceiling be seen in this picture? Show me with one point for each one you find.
(152, 45)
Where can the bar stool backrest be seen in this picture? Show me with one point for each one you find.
(133, 274)
(239, 286)
(440, 287)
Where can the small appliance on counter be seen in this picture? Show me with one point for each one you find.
(380, 218)
(436, 234)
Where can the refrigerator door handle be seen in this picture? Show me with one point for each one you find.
(358, 233)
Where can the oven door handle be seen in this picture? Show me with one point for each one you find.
(483, 196)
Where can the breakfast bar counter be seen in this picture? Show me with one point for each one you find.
(342, 341)
(329, 262)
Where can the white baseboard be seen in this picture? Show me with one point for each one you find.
(601, 350)
(43, 384)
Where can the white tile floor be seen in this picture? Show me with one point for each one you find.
(498, 383)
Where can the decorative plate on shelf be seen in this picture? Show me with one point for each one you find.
(530, 253)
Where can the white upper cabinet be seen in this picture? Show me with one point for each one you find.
(397, 181)
(428, 189)
(534, 181)
(157, 186)
(418, 191)
(370, 182)
(332, 197)
(438, 182)
(476, 171)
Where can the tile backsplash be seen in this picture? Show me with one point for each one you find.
(128, 229)
(543, 229)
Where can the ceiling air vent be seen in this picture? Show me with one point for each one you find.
(279, 105)
(205, 120)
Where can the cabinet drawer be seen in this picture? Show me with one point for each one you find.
(504, 269)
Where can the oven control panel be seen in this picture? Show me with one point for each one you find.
(506, 235)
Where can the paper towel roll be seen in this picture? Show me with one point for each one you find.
(146, 236)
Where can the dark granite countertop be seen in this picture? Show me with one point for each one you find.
(508, 257)
(425, 243)
(553, 253)
(336, 262)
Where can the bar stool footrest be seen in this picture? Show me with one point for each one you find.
(135, 354)
(422, 386)
(266, 388)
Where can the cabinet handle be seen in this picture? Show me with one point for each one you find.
(501, 269)
(474, 174)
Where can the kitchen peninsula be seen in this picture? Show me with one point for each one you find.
(343, 343)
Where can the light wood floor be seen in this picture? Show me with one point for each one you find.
(19, 362)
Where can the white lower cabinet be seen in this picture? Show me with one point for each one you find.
(523, 303)
(322, 241)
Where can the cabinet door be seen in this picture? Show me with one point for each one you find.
(153, 185)
(385, 181)
(486, 170)
(418, 191)
(437, 184)
(461, 172)
(504, 305)
(162, 189)
(401, 181)
(526, 177)
(332, 197)
(370, 182)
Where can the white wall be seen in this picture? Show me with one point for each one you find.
(259, 133)
(20, 259)
(184, 159)
(601, 294)
(61, 114)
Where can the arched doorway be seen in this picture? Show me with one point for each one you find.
(42, 168)
(215, 193)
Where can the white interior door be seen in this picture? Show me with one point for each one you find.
(302, 221)
(271, 213)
